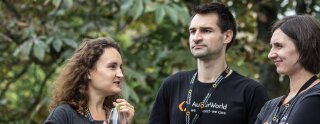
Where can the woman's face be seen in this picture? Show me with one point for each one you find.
(284, 53)
(107, 75)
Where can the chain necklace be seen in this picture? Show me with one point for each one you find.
(89, 115)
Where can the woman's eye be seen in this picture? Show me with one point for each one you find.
(278, 45)
(113, 66)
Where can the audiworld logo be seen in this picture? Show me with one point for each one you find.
(210, 105)
(182, 106)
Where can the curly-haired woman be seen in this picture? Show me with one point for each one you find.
(89, 85)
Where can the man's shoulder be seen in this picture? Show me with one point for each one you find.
(181, 75)
(235, 76)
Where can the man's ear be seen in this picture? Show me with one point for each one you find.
(228, 36)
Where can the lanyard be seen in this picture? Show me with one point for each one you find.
(280, 113)
(205, 100)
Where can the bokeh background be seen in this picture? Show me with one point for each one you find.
(38, 36)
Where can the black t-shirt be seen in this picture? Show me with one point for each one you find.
(65, 114)
(305, 109)
(236, 100)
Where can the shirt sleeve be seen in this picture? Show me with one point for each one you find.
(307, 112)
(258, 99)
(160, 110)
(58, 116)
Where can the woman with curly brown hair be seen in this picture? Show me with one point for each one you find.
(90, 85)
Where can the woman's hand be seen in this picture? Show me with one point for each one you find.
(125, 107)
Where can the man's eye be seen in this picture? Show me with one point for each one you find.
(192, 31)
(207, 31)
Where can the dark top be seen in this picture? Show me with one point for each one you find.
(305, 110)
(65, 114)
(237, 100)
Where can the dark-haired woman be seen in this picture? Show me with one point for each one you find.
(295, 50)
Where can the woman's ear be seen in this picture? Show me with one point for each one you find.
(89, 77)
(228, 36)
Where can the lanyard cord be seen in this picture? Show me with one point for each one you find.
(280, 113)
(205, 100)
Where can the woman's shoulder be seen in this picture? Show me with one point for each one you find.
(314, 91)
(273, 102)
(63, 113)
(65, 109)
(64, 106)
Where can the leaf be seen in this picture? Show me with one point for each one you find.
(126, 6)
(49, 40)
(56, 3)
(172, 14)
(129, 92)
(24, 49)
(160, 12)
(184, 16)
(70, 43)
(137, 9)
(39, 49)
(57, 44)
(151, 6)
(68, 3)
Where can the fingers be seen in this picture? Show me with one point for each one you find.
(123, 104)
(125, 107)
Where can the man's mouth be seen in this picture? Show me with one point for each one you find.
(198, 46)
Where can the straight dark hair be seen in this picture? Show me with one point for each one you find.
(304, 30)
(226, 20)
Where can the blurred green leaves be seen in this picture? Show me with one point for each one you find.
(153, 35)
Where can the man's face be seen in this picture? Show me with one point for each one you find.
(206, 39)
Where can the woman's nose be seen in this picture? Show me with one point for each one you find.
(272, 54)
(120, 74)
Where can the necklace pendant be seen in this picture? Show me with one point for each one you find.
(287, 105)
(274, 118)
(214, 85)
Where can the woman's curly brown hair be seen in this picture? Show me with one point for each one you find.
(71, 86)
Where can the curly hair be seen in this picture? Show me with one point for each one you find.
(71, 86)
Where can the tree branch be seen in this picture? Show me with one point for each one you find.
(11, 80)
(11, 8)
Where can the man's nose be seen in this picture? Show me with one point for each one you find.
(197, 37)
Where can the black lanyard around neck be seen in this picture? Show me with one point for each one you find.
(205, 100)
(278, 114)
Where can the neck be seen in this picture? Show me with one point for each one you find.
(298, 79)
(95, 103)
(210, 70)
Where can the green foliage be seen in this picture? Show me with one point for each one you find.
(36, 37)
